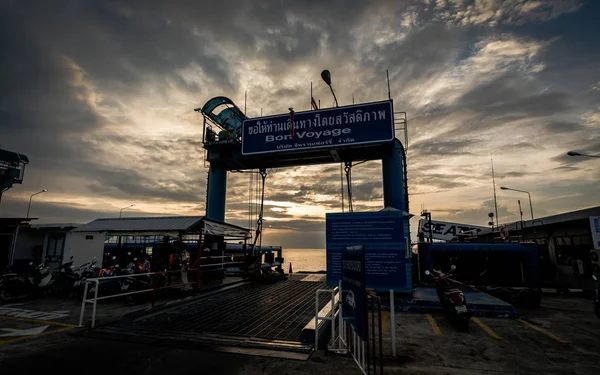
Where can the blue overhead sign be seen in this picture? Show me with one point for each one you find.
(324, 128)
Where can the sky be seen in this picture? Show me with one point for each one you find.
(100, 96)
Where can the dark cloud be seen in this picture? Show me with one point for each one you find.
(424, 149)
(99, 95)
(558, 127)
(511, 97)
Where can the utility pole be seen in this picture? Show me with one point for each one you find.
(494, 182)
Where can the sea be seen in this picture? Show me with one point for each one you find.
(304, 259)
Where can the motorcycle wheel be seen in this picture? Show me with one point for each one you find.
(131, 300)
(8, 293)
(60, 289)
(597, 310)
(462, 323)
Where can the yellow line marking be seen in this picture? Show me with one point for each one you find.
(22, 338)
(434, 325)
(487, 329)
(541, 330)
(37, 321)
(385, 321)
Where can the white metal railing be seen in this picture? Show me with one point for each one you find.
(94, 301)
(339, 342)
(153, 289)
(329, 315)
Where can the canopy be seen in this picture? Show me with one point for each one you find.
(165, 225)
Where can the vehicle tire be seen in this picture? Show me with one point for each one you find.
(462, 323)
(60, 289)
(535, 299)
(131, 300)
(597, 310)
(8, 292)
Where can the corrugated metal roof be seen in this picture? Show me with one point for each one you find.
(12, 157)
(142, 224)
(548, 220)
(55, 225)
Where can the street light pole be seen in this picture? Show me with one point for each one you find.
(521, 191)
(124, 208)
(31, 197)
(326, 75)
(575, 153)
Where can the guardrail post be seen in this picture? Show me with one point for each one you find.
(85, 289)
(317, 322)
(332, 318)
(340, 318)
(393, 322)
(95, 303)
(373, 332)
(154, 289)
(380, 336)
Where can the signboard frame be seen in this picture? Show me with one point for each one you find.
(384, 236)
(354, 293)
(442, 230)
(335, 112)
(595, 231)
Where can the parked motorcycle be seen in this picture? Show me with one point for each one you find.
(452, 299)
(39, 280)
(66, 276)
(597, 302)
(87, 271)
(133, 284)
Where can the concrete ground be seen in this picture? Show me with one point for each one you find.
(33, 350)
(36, 335)
(563, 337)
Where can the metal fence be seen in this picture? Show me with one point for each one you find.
(368, 354)
(154, 276)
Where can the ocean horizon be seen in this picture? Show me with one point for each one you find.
(304, 259)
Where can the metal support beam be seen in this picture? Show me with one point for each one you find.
(393, 178)
(217, 192)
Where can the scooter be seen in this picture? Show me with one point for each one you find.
(452, 299)
(86, 271)
(133, 284)
(597, 302)
(39, 280)
(66, 276)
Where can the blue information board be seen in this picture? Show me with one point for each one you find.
(387, 261)
(354, 307)
(324, 128)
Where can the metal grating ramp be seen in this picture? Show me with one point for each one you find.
(252, 316)
(276, 311)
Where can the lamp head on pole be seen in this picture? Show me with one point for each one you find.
(573, 153)
(326, 77)
(44, 190)
(503, 188)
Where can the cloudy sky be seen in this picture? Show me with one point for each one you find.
(100, 96)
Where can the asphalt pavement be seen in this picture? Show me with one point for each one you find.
(562, 337)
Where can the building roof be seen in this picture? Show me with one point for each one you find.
(569, 216)
(12, 157)
(55, 226)
(165, 225)
(583, 214)
(15, 220)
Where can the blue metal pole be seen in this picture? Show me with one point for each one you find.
(217, 192)
(393, 178)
